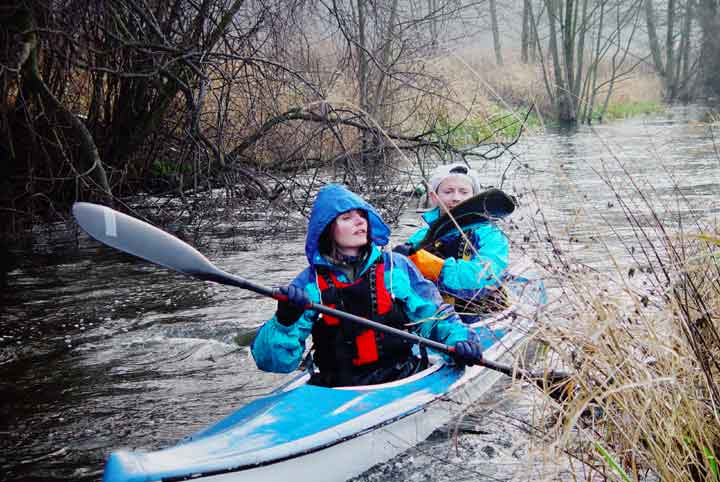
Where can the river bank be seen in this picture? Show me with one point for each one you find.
(112, 352)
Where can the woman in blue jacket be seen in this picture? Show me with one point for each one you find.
(349, 271)
(468, 270)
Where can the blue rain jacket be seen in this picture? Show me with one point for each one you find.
(280, 348)
(464, 278)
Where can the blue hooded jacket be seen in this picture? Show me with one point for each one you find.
(280, 348)
(465, 278)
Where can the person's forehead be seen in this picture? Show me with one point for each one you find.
(359, 211)
(456, 181)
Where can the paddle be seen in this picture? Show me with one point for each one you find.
(145, 241)
(489, 204)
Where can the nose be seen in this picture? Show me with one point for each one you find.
(358, 219)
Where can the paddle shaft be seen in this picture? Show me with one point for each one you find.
(230, 279)
(223, 277)
(542, 380)
(145, 241)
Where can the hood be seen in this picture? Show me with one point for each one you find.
(331, 201)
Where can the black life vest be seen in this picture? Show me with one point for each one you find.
(488, 301)
(345, 347)
(454, 247)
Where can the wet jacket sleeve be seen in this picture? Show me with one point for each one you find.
(418, 236)
(429, 316)
(279, 348)
(463, 278)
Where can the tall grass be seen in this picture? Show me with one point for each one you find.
(479, 91)
(644, 346)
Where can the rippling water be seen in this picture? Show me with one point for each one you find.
(99, 350)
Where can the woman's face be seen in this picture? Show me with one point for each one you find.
(452, 191)
(350, 231)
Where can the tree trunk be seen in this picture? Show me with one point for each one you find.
(581, 31)
(379, 108)
(361, 50)
(569, 45)
(363, 68)
(525, 34)
(653, 39)
(710, 49)
(32, 82)
(534, 37)
(432, 12)
(596, 61)
(670, 53)
(564, 105)
(683, 66)
(495, 32)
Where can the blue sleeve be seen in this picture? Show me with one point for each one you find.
(418, 236)
(280, 348)
(428, 315)
(463, 278)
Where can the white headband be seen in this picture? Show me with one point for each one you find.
(459, 170)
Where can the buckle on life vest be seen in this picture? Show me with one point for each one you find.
(329, 319)
(367, 348)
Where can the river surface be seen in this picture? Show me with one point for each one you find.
(99, 350)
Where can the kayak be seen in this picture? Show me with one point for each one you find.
(307, 432)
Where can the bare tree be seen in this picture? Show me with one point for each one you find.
(709, 19)
(674, 60)
(495, 31)
(572, 82)
(114, 93)
(119, 96)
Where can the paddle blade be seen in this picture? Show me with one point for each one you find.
(492, 203)
(141, 239)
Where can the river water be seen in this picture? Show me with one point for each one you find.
(99, 350)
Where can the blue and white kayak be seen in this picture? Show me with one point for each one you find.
(305, 432)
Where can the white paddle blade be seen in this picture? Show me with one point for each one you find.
(140, 239)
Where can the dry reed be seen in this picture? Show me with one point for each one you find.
(645, 348)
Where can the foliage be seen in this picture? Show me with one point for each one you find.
(167, 168)
(473, 130)
(612, 463)
(623, 110)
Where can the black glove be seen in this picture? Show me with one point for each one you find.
(405, 249)
(288, 312)
(467, 353)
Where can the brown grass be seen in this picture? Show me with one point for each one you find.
(480, 87)
(645, 349)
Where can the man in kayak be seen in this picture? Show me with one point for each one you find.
(349, 271)
(467, 269)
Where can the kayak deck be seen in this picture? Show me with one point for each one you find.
(306, 431)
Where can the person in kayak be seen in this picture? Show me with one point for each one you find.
(349, 271)
(468, 270)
